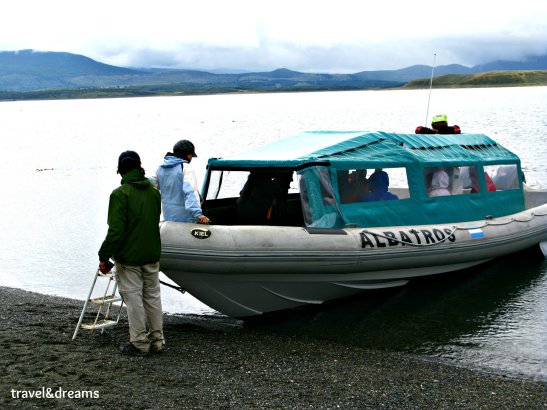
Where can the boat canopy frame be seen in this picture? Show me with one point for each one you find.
(312, 153)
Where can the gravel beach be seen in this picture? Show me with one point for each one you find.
(219, 363)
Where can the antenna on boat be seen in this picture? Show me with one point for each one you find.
(430, 86)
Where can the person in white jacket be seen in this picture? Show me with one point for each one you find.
(439, 184)
(177, 183)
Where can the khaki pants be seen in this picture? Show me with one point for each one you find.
(140, 289)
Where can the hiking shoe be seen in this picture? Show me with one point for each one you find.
(156, 347)
(131, 350)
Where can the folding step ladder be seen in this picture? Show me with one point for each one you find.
(103, 316)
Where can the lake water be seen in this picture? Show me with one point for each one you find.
(58, 161)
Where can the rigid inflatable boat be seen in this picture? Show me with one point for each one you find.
(324, 215)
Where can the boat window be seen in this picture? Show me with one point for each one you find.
(505, 177)
(366, 185)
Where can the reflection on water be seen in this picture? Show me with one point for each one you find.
(490, 317)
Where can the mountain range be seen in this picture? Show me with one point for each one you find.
(28, 70)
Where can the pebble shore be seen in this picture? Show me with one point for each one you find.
(219, 363)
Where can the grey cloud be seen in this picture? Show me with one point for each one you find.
(465, 50)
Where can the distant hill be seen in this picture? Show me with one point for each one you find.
(530, 63)
(488, 79)
(424, 71)
(39, 74)
(26, 70)
(413, 72)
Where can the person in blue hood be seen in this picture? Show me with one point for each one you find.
(378, 184)
(177, 183)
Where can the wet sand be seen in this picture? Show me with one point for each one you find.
(219, 363)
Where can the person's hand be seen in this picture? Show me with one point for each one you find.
(202, 219)
(105, 267)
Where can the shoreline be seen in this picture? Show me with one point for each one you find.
(98, 95)
(213, 362)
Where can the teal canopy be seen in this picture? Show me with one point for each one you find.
(318, 157)
(369, 148)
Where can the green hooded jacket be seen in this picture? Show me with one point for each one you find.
(134, 209)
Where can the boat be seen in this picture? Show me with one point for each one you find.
(324, 215)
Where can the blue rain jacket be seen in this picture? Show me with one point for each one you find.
(378, 184)
(177, 184)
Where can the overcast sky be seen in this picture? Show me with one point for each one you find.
(343, 36)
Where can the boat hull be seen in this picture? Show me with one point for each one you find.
(245, 271)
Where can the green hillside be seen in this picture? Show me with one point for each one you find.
(489, 79)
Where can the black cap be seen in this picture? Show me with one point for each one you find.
(184, 147)
(127, 161)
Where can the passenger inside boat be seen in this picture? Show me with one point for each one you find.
(490, 185)
(474, 181)
(504, 176)
(439, 184)
(352, 185)
(263, 199)
(442, 181)
(378, 184)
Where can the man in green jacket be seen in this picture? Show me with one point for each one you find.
(133, 241)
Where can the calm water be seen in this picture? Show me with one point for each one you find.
(58, 161)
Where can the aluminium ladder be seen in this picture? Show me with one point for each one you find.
(104, 302)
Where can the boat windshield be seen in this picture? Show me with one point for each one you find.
(229, 183)
(273, 197)
(253, 197)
